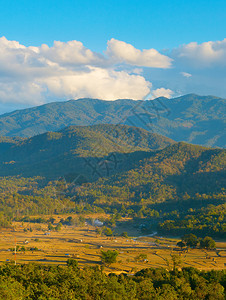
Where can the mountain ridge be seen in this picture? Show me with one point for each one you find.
(71, 147)
(190, 118)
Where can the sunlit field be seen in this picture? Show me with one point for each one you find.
(83, 243)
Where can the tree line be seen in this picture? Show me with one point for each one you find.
(33, 281)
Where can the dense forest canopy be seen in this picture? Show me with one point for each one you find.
(70, 282)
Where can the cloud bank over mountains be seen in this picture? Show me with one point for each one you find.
(36, 75)
(205, 55)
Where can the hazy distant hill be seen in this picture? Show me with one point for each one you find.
(191, 118)
(76, 149)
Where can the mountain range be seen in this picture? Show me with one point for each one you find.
(190, 118)
(117, 160)
(172, 187)
(77, 149)
(167, 175)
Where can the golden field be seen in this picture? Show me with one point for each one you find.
(84, 244)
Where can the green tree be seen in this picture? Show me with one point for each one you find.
(181, 244)
(207, 243)
(107, 231)
(58, 227)
(190, 239)
(124, 234)
(23, 249)
(141, 257)
(72, 263)
(50, 226)
(109, 257)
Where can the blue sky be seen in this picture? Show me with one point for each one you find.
(108, 29)
(159, 24)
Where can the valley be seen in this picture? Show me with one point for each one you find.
(84, 244)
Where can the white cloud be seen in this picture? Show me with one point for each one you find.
(71, 53)
(98, 83)
(67, 70)
(162, 92)
(208, 54)
(137, 71)
(206, 62)
(185, 74)
(36, 75)
(126, 53)
(21, 92)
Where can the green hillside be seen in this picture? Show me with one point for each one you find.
(178, 190)
(7, 142)
(175, 190)
(74, 149)
(167, 175)
(190, 118)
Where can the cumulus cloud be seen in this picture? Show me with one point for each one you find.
(36, 75)
(21, 92)
(98, 83)
(71, 53)
(66, 70)
(208, 54)
(126, 53)
(162, 92)
(197, 68)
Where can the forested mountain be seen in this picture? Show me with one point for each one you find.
(177, 172)
(191, 118)
(182, 188)
(7, 142)
(74, 149)
(179, 188)
(174, 188)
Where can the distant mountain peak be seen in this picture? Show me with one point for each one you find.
(191, 118)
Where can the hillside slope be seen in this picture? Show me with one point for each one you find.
(76, 149)
(175, 190)
(167, 175)
(190, 118)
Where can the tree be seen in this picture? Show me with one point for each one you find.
(141, 257)
(109, 257)
(23, 249)
(107, 231)
(124, 234)
(176, 260)
(72, 263)
(181, 244)
(52, 220)
(58, 227)
(207, 243)
(190, 239)
(50, 226)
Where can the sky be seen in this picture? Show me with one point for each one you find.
(59, 50)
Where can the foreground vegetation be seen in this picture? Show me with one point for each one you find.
(70, 282)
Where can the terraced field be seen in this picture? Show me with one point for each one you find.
(84, 244)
